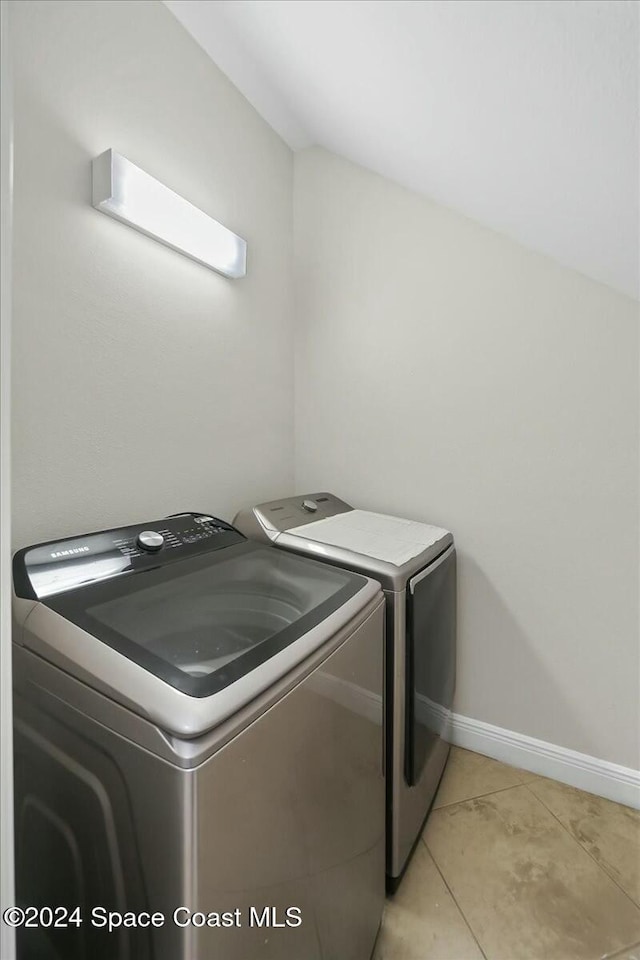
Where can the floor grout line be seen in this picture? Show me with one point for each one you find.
(618, 953)
(589, 854)
(476, 796)
(452, 895)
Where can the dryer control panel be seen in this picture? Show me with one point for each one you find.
(268, 520)
(50, 568)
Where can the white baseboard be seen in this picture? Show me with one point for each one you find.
(605, 779)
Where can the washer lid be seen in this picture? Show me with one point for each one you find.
(202, 624)
(188, 637)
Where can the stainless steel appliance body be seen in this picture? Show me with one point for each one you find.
(198, 728)
(420, 589)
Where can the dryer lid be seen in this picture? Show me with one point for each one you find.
(377, 535)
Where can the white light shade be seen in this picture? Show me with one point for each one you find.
(127, 193)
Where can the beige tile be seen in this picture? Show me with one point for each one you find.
(526, 888)
(422, 921)
(470, 775)
(607, 830)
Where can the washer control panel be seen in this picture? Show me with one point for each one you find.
(50, 568)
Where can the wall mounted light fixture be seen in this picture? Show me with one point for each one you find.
(124, 191)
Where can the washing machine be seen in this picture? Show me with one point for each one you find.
(198, 749)
(416, 566)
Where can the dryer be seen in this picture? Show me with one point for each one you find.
(416, 565)
(198, 736)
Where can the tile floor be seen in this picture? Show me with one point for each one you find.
(512, 866)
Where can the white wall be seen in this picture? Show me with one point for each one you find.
(445, 373)
(143, 382)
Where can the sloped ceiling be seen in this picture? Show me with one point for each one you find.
(522, 114)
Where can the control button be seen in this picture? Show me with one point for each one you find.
(310, 506)
(150, 540)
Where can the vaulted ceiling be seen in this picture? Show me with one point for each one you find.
(522, 114)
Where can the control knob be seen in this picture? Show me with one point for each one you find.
(150, 540)
(310, 506)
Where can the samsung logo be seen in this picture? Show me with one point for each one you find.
(70, 552)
